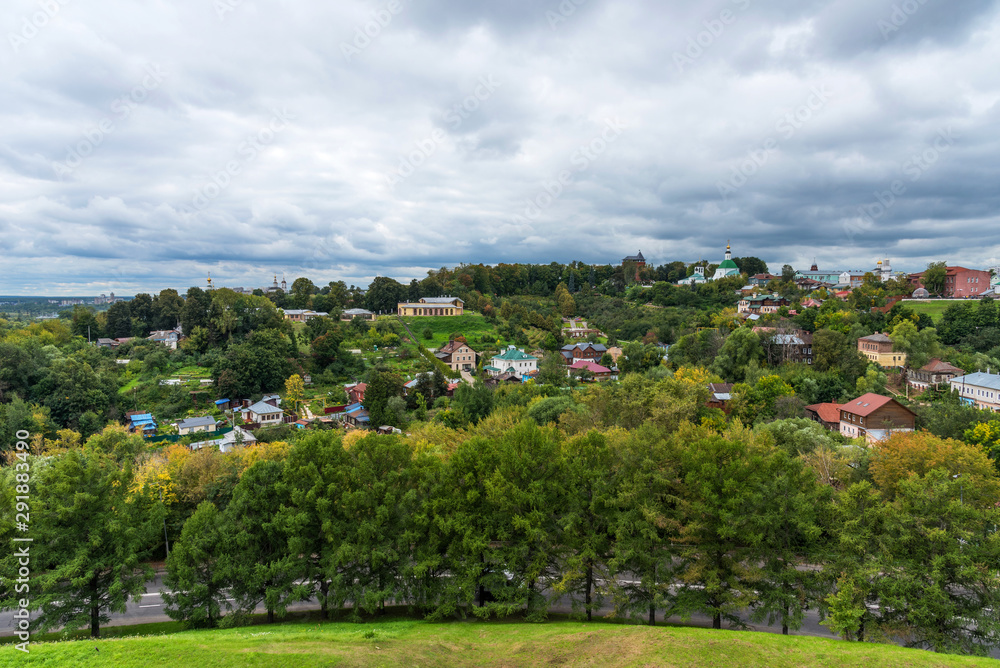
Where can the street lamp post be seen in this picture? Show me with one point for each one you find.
(961, 488)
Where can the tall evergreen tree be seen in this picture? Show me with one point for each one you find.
(373, 532)
(647, 522)
(91, 539)
(195, 587)
(256, 543)
(591, 485)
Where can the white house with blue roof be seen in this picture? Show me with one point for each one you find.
(978, 389)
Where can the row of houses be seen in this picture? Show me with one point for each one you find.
(872, 417)
(875, 417)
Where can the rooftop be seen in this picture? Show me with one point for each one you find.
(828, 412)
(867, 404)
(979, 379)
(203, 421)
(260, 408)
(512, 354)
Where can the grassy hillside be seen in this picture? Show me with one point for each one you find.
(933, 308)
(472, 325)
(395, 642)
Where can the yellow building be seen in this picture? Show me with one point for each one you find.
(878, 348)
(432, 306)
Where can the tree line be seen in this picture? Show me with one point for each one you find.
(891, 543)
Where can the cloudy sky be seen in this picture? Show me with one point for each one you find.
(144, 144)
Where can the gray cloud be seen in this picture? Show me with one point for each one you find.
(112, 180)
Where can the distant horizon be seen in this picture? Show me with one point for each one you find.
(362, 283)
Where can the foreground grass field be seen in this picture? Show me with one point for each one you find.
(407, 642)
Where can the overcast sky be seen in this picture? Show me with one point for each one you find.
(146, 143)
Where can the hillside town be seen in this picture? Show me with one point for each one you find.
(832, 378)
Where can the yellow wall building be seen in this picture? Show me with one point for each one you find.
(878, 348)
(432, 306)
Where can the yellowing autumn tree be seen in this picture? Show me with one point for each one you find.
(295, 389)
(917, 453)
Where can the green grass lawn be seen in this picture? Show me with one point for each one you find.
(127, 387)
(472, 325)
(934, 308)
(194, 371)
(406, 642)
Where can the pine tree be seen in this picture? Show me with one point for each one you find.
(591, 485)
(371, 531)
(255, 567)
(195, 586)
(96, 536)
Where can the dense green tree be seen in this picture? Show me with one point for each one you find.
(85, 323)
(301, 292)
(934, 277)
(382, 386)
(96, 535)
(741, 348)
(502, 520)
(638, 357)
(20, 369)
(475, 402)
(919, 345)
(371, 544)
(256, 543)
(384, 294)
(72, 388)
(789, 528)
(166, 310)
(258, 365)
(697, 349)
(118, 320)
(591, 485)
(195, 588)
(195, 310)
(723, 493)
(750, 265)
(314, 477)
(647, 521)
(755, 402)
(834, 351)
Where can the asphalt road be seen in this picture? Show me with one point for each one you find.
(150, 609)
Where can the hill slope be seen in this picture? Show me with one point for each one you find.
(418, 643)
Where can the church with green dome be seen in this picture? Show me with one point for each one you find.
(727, 268)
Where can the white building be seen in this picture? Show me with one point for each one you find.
(513, 361)
(727, 267)
(978, 389)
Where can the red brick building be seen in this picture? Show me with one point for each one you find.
(959, 282)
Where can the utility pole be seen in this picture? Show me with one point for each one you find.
(165, 541)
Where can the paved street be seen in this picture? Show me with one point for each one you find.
(150, 609)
